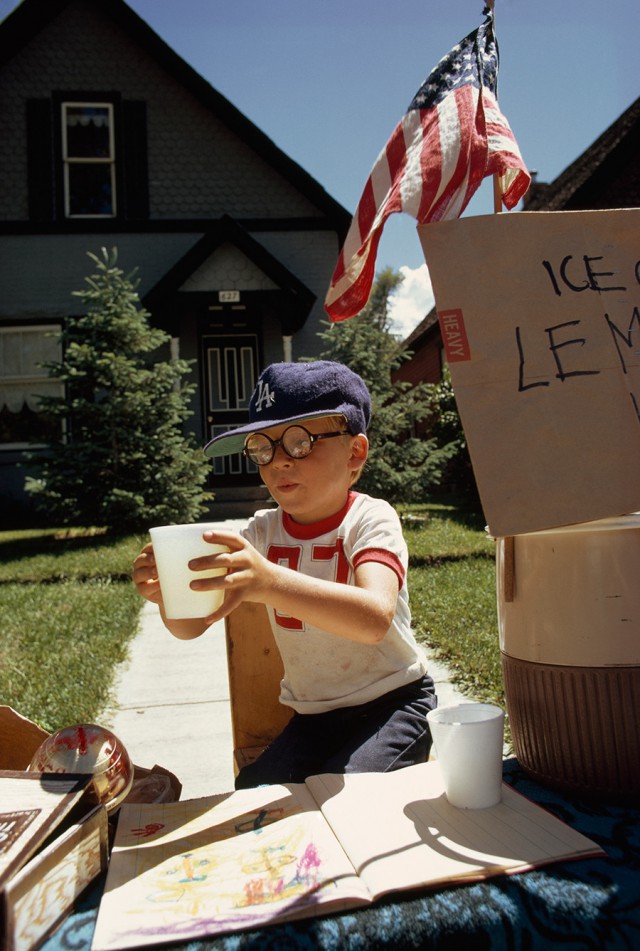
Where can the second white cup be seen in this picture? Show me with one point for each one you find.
(174, 546)
(468, 741)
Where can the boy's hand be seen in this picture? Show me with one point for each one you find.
(248, 575)
(145, 576)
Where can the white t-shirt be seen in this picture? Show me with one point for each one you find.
(323, 671)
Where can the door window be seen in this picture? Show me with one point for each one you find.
(230, 372)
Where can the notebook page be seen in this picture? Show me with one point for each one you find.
(206, 866)
(401, 832)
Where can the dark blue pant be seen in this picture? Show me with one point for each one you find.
(382, 735)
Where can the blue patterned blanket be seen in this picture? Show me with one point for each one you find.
(585, 904)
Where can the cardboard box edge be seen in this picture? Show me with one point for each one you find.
(43, 863)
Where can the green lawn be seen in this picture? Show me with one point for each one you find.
(69, 611)
(453, 597)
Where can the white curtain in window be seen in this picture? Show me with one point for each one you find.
(83, 120)
(23, 379)
(15, 397)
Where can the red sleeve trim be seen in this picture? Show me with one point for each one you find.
(382, 557)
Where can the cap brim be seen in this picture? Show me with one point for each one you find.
(233, 441)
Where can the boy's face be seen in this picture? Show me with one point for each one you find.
(315, 487)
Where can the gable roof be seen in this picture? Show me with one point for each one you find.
(32, 16)
(295, 301)
(616, 144)
(419, 332)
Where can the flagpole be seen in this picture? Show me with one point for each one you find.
(508, 561)
(497, 193)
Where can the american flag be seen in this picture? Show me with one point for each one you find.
(452, 136)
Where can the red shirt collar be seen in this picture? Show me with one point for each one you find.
(315, 529)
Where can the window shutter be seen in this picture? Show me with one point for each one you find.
(40, 160)
(135, 173)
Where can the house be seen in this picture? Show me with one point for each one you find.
(606, 175)
(109, 139)
(427, 353)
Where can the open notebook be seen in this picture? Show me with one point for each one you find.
(242, 860)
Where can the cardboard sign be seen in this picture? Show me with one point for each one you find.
(540, 318)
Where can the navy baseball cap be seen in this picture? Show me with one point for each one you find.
(295, 392)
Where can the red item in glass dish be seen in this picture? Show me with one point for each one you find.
(87, 748)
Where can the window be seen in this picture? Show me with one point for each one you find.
(88, 155)
(23, 380)
(87, 158)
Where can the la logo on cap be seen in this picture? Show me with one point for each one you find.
(264, 396)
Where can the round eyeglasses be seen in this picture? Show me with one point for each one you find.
(296, 441)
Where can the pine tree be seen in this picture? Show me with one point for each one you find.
(402, 467)
(122, 460)
(445, 428)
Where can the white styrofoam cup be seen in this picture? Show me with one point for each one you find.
(174, 546)
(468, 741)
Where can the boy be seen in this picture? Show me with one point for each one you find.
(330, 564)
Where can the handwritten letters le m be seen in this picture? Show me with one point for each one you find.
(547, 380)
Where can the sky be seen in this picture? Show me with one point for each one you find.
(328, 80)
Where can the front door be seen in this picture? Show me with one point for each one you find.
(230, 371)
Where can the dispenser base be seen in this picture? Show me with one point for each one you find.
(576, 728)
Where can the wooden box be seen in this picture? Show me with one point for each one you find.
(37, 898)
(49, 853)
(51, 845)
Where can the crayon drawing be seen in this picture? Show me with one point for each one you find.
(210, 871)
(262, 873)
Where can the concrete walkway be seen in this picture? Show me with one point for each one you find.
(171, 703)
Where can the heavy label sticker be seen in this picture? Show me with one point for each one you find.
(454, 335)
